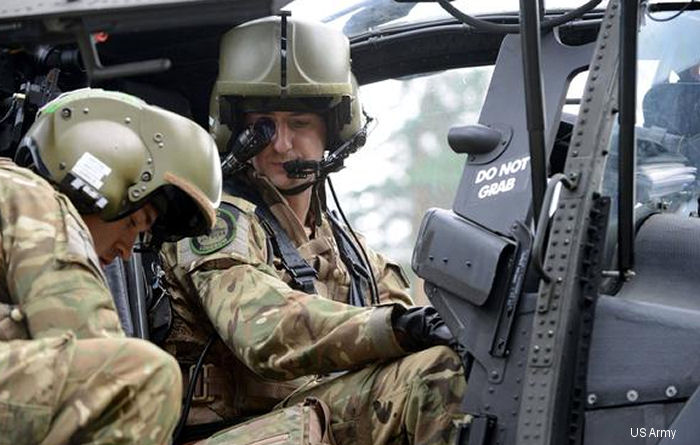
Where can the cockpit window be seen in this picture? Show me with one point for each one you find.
(668, 116)
(406, 166)
(356, 17)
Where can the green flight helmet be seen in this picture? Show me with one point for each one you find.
(112, 153)
(282, 63)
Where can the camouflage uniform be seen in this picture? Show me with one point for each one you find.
(274, 338)
(67, 374)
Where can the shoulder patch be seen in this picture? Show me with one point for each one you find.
(223, 233)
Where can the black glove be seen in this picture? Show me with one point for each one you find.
(419, 328)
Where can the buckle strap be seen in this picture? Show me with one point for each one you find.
(204, 392)
(359, 274)
(303, 277)
(301, 273)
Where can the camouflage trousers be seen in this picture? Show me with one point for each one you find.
(412, 400)
(100, 391)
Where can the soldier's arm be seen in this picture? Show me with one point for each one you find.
(49, 260)
(276, 331)
(392, 283)
(391, 280)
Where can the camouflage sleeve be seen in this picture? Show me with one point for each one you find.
(276, 331)
(391, 279)
(49, 263)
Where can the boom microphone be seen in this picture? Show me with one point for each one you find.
(301, 169)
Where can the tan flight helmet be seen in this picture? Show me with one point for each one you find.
(112, 153)
(282, 63)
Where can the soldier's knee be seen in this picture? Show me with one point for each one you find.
(167, 381)
(162, 363)
(444, 354)
(170, 375)
(151, 367)
(438, 369)
(160, 385)
(436, 359)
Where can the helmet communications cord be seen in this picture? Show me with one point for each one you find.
(373, 288)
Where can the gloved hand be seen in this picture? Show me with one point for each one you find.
(419, 328)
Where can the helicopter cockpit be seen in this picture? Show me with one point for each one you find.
(668, 118)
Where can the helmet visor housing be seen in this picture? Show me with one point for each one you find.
(112, 153)
(285, 64)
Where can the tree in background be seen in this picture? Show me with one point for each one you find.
(408, 167)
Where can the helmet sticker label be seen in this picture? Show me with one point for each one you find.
(91, 170)
(223, 233)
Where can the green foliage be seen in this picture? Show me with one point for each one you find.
(425, 171)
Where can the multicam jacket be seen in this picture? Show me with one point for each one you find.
(50, 278)
(229, 283)
(75, 377)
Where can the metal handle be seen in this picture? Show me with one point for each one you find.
(97, 72)
(543, 223)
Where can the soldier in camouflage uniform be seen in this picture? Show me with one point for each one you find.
(67, 372)
(283, 325)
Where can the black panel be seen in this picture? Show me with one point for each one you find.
(499, 194)
(420, 51)
(135, 18)
(667, 260)
(494, 384)
(685, 427)
(463, 258)
(116, 279)
(623, 426)
(495, 333)
(640, 353)
(436, 46)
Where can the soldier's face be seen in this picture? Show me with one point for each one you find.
(116, 239)
(297, 136)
